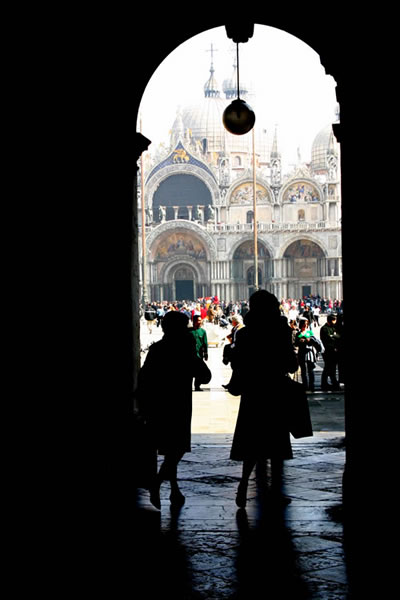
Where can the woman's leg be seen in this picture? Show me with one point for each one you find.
(241, 496)
(168, 472)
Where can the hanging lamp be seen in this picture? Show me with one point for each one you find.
(238, 117)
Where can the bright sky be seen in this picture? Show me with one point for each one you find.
(291, 88)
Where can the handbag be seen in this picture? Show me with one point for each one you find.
(297, 409)
(203, 374)
(144, 453)
(227, 354)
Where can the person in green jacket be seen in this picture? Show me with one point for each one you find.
(200, 336)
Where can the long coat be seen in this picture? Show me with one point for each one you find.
(165, 392)
(264, 354)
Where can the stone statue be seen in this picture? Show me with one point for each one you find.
(195, 213)
(209, 213)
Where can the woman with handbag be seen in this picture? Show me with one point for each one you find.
(264, 354)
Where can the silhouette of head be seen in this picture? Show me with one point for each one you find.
(174, 322)
(264, 303)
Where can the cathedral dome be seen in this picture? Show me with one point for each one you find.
(203, 123)
(324, 144)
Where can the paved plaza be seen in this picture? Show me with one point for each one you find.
(210, 549)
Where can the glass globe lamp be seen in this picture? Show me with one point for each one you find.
(238, 117)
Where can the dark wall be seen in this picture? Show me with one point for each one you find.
(90, 93)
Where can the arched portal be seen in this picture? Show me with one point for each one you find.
(179, 265)
(243, 267)
(180, 195)
(304, 263)
(183, 282)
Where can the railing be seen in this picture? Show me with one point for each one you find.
(261, 227)
(248, 227)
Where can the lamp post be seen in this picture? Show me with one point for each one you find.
(144, 284)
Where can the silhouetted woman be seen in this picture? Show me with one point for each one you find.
(264, 354)
(165, 399)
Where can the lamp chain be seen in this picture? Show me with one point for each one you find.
(237, 69)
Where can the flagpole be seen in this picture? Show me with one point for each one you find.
(255, 216)
(144, 285)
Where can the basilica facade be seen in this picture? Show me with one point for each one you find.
(200, 217)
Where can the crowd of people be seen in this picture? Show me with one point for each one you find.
(269, 341)
(220, 312)
(302, 315)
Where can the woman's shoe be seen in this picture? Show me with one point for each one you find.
(241, 496)
(177, 498)
(155, 496)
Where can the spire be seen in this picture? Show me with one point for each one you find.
(274, 150)
(230, 85)
(331, 150)
(178, 129)
(276, 169)
(211, 86)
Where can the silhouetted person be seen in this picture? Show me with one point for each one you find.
(165, 397)
(264, 355)
(200, 337)
(330, 338)
(308, 346)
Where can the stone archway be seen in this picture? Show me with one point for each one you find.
(304, 263)
(179, 261)
(183, 282)
(243, 266)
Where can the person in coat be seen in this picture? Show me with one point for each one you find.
(200, 337)
(264, 354)
(165, 400)
(330, 338)
(308, 347)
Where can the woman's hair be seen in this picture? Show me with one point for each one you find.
(174, 322)
(264, 303)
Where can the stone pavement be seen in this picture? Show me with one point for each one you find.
(210, 549)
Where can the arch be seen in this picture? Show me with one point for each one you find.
(169, 270)
(301, 190)
(249, 239)
(245, 249)
(196, 231)
(241, 192)
(182, 190)
(308, 239)
(163, 174)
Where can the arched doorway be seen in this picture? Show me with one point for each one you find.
(243, 267)
(353, 135)
(305, 267)
(184, 283)
(179, 263)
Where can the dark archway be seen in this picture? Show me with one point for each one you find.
(181, 191)
(121, 83)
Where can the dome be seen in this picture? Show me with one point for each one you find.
(324, 144)
(204, 126)
(229, 86)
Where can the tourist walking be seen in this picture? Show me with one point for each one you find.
(165, 400)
